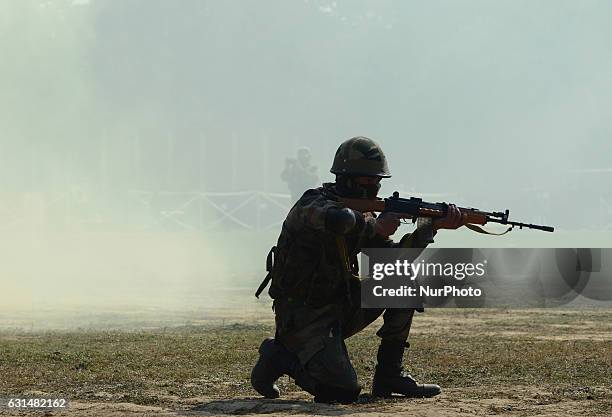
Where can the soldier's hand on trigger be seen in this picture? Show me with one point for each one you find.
(454, 219)
(387, 224)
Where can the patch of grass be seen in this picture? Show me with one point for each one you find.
(167, 366)
(477, 360)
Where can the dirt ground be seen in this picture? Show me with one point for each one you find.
(489, 362)
(504, 401)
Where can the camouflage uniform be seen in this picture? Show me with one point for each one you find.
(316, 301)
(316, 289)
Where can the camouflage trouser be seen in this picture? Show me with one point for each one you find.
(316, 336)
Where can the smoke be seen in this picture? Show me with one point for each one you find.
(120, 119)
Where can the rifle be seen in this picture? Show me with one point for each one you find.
(413, 208)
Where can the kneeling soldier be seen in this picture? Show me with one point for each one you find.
(317, 306)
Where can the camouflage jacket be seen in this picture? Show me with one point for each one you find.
(310, 267)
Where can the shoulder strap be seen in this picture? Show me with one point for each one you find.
(346, 264)
(269, 267)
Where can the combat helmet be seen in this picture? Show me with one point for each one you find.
(360, 156)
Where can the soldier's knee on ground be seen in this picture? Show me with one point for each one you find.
(330, 394)
(335, 377)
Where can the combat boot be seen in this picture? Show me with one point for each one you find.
(267, 369)
(389, 377)
(275, 361)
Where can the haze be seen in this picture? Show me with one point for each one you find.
(119, 118)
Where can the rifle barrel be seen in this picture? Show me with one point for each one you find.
(521, 225)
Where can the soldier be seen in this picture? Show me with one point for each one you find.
(316, 307)
(299, 174)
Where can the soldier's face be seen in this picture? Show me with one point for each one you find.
(370, 185)
(304, 158)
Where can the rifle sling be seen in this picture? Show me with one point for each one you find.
(479, 229)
